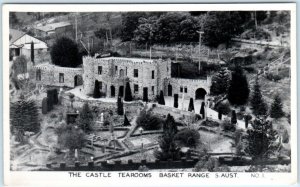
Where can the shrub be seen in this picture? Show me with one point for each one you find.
(148, 121)
(233, 117)
(187, 137)
(45, 105)
(175, 100)
(276, 108)
(128, 94)
(161, 99)
(191, 105)
(120, 109)
(85, 118)
(285, 137)
(52, 95)
(223, 108)
(210, 123)
(145, 95)
(97, 93)
(227, 125)
(53, 115)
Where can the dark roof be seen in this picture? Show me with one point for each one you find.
(14, 35)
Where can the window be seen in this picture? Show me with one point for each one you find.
(116, 69)
(185, 89)
(152, 88)
(38, 75)
(181, 89)
(61, 78)
(121, 74)
(135, 73)
(99, 70)
(136, 88)
(153, 74)
(100, 85)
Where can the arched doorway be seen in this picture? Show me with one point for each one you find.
(77, 80)
(200, 93)
(169, 90)
(112, 91)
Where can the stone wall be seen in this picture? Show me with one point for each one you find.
(117, 71)
(49, 75)
(189, 85)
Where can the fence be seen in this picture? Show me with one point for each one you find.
(157, 164)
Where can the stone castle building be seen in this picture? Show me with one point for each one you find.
(145, 76)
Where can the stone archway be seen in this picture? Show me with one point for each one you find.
(200, 93)
(78, 80)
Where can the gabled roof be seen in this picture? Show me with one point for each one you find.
(52, 26)
(15, 34)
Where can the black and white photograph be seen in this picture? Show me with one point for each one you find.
(191, 91)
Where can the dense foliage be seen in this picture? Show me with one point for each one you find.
(148, 121)
(85, 118)
(238, 91)
(187, 137)
(261, 139)
(220, 82)
(276, 108)
(23, 117)
(64, 52)
(258, 104)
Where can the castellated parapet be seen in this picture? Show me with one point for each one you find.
(113, 73)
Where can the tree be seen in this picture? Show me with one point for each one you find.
(161, 99)
(168, 148)
(187, 137)
(238, 91)
(130, 22)
(276, 108)
(219, 115)
(85, 118)
(23, 117)
(97, 93)
(145, 94)
(202, 110)
(120, 109)
(126, 121)
(220, 82)
(247, 118)
(128, 95)
(258, 104)
(220, 27)
(261, 139)
(13, 19)
(70, 137)
(32, 52)
(175, 100)
(191, 105)
(233, 117)
(146, 30)
(65, 53)
(148, 121)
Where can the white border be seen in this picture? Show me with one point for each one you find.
(62, 178)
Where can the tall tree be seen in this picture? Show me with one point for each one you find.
(238, 91)
(191, 105)
(97, 93)
(261, 139)
(23, 117)
(128, 94)
(175, 100)
(220, 82)
(85, 119)
(168, 148)
(120, 109)
(202, 110)
(161, 99)
(32, 52)
(258, 104)
(276, 108)
(65, 53)
(233, 117)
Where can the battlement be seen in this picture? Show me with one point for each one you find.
(52, 67)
